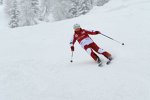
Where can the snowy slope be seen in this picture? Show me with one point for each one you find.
(35, 61)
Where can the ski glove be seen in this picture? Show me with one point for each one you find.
(72, 48)
(97, 32)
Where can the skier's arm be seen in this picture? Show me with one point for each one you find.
(72, 42)
(92, 32)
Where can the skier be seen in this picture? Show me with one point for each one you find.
(82, 36)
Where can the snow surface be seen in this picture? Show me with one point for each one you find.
(35, 61)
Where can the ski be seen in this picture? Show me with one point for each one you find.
(100, 64)
(108, 62)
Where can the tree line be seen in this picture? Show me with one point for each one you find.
(29, 12)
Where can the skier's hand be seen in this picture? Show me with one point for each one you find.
(97, 32)
(72, 48)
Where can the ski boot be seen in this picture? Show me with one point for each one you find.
(99, 61)
(109, 60)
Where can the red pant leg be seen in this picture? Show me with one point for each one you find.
(90, 52)
(100, 50)
(94, 47)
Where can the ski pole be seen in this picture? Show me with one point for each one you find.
(113, 39)
(71, 57)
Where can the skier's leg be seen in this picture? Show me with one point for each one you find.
(91, 53)
(101, 51)
(107, 55)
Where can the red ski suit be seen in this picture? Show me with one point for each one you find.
(82, 36)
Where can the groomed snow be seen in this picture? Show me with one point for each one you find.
(35, 61)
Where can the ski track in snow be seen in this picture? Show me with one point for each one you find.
(35, 61)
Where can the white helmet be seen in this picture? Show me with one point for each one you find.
(75, 26)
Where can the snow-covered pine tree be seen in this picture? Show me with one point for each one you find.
(1, 2)
(60, 10)
(45, 9)
(80, 7)
(65, 9)
(35, 7)
(8, 6)
(29, 12)
(74, 10)
(85, 7)
(101, 2)
(14, 15)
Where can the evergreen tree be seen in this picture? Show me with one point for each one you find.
(101, 2)
(45, 10)
(61, 10)
(1, 2)
(29, 12)
(35, 7)
(8, 7)
(71, 8)
(80, 7)
(14, 15)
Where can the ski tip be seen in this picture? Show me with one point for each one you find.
(100, 64)
(108, 62)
